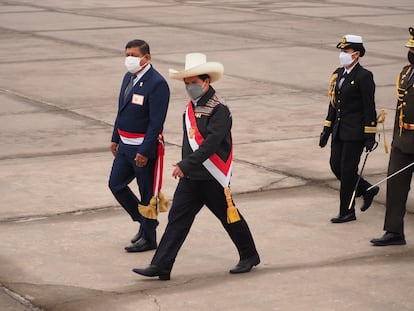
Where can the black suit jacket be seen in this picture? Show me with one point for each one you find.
(214, 122)
(352, 115)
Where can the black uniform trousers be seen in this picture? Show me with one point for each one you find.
(124, 170)
(397, 190)
(344, 161)
(189, 197)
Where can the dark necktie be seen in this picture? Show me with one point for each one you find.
(342, 80)
(129, 87)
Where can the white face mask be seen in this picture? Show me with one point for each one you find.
(345, 59)
(133, 64)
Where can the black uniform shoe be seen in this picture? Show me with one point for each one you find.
(389, 238)
(369, 197)
(340, 219)
(245, 265)
(152, 271)
(140, 246)
(137, 236)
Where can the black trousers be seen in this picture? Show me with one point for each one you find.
(344, 161)
(398, 188)
(189, 197)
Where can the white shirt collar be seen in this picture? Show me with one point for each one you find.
(347, 71)
(195, 100)
(142, 72)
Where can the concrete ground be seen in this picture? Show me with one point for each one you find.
(62, 232)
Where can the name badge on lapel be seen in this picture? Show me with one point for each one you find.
(138, 99)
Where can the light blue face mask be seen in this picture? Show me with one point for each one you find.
(194, 90)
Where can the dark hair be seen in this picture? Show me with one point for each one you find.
(141, 44)
(357, 47)
(204, 77)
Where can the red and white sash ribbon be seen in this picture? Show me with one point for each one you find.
(219, 169)
(136, 139)
(159, 164)
(131, 138)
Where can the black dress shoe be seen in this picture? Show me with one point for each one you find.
(245, 265)
(340, 219)
(389, 238)
(140, 246)
(152, 271)
(369, 197)
(137, 236)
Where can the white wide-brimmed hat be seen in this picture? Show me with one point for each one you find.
(196, 64)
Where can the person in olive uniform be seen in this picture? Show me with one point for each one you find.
(352, 121)
(402, 155)
(204, 171)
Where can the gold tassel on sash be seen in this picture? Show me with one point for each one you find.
(232, 213)
(158, 202)
(162, 202)
(381, 119)
(150, 211)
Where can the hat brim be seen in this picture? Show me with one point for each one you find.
(351, 45)
(215, 71)
(343, 45)
(410, 43)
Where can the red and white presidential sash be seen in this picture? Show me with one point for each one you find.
(137, 139)
(219, 169)
(129, 138)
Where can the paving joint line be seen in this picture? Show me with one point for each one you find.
(19, 298)
(39, 217)
(56, 108)
(151, 24)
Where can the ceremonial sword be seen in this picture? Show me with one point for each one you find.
(360, 174)
(392, 175)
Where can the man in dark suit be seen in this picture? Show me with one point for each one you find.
(402, 155)
(137, 143)
(204, 171)
(352, 121)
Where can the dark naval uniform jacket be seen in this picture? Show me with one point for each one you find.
(214, 122)
(351, 114)
(352, 119)
(144, 110)
(403, 137)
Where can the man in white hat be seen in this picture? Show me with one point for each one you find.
(402, 155)
(352, 120)
(204, 171)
